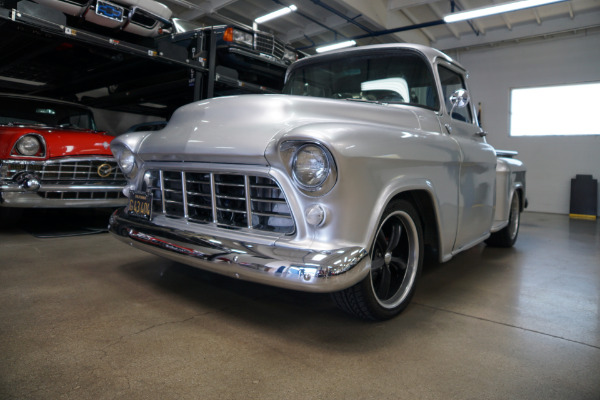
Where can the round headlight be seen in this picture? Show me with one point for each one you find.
(311, 166)
(28, 145)
(126, 161)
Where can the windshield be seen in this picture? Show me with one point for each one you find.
(402, 78)
(25, 111)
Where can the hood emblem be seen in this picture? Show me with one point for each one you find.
(104, 170)
(106, 145)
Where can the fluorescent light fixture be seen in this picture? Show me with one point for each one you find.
(153, 105)
(336, 46)
(276, 14)
(22, 81)
(497, 9)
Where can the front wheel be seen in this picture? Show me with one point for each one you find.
(507, 236)
(396, 260)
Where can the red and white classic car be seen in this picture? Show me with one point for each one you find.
(52, 155)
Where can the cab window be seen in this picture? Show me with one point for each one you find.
(452, 81)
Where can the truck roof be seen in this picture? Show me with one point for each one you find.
(428, 52)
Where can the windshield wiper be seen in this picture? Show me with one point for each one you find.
(374, 101)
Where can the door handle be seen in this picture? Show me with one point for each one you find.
(481, 133)
(448, 128)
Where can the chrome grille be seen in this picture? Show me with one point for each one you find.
(266, 43)
(78, 172)
(228, 200)
(56, 195)
(70, 172)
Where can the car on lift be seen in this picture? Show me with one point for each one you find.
(243, 52)
(52, 156)
(138, 17)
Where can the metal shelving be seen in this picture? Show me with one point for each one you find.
(62, 59)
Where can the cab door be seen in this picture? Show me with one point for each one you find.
(476, 186)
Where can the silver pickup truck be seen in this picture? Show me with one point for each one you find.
(371, 157)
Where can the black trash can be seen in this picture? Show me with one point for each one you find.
(584, 197)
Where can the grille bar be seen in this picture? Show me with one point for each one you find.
(229, 200)
(268, 44)
(80, 172)
(72, 178)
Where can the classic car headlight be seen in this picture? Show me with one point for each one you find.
(243, 37)
(126, 159)
(29, 145)
(235, 35)
(310, 166)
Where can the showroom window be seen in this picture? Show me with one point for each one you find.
(565, 110)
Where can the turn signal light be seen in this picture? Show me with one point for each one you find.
(228, 35)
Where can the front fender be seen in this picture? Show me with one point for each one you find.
(370, 174)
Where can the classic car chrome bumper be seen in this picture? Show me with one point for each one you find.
(30, 195)
(291, 268)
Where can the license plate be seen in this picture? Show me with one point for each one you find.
(140, 205)
(110, 10)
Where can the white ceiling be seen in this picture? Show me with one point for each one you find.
(319, 22)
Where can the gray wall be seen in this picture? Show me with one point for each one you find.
(551, 161)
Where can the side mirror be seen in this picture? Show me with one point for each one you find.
(459, 99)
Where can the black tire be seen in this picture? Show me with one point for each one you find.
(507, 236)
(396, 261)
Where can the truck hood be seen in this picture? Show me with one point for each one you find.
(238, 129)
(59, 142)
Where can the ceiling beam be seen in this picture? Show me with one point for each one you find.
(314, 29)
(415, 21)
(198, 11)
(394, 5)
(376, 11)
(475, 23)
(505, 18)
(451, 27)
(588, 20)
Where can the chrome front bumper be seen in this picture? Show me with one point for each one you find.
(26, 196)
(269, 264)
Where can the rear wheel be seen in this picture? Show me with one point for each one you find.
(507, 236)
(396, 260)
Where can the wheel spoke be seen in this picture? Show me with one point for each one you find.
(381, 240)
(395, 238)
(377, 263)
(397, 261)
(384, 282)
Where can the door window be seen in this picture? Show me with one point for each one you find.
(452, 81)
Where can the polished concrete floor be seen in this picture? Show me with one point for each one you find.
(86, 317)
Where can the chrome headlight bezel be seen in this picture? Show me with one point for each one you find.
(29, 145)
(310, 166)
(126, 160)
(306, 181)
